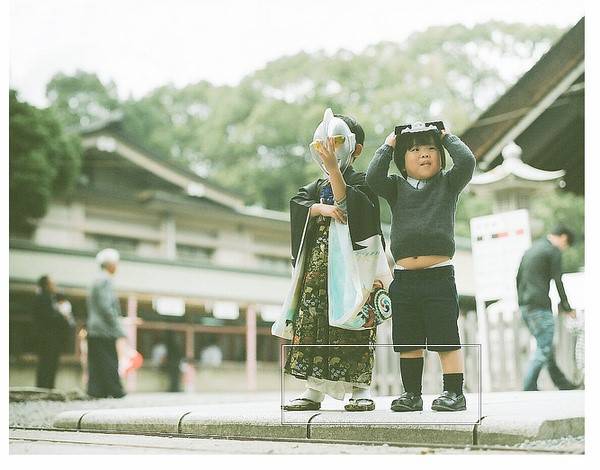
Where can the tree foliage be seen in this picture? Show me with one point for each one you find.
(81, 99)
(44, 161)
(253, 137)
(561, 207)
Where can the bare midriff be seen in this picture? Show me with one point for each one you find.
(421, 262)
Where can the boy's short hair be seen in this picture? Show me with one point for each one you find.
(354, 126)
(562, 229)
(407, 140)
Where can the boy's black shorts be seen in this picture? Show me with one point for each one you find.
(425, 309)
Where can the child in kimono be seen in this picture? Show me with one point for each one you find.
(342, 195)
(423, 294)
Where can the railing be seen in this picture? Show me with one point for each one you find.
(510, 346)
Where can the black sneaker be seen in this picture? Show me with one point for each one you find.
(408, 401)
(570, 386)
(449, 401)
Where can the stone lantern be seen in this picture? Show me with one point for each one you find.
(514, 184)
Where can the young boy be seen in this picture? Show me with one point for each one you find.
(423, 293)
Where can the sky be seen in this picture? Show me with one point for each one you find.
(145, 44)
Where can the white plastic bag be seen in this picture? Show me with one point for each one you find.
(351, 274)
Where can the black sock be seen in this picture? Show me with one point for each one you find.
(411, 369)
(453, 383)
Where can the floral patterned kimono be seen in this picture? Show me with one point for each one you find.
(330, 367)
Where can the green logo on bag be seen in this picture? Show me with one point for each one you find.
(377, 309)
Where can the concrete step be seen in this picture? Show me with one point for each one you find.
(497, 419)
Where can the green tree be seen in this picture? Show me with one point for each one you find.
(561, 207)
(469, 206)
(44, 162)
(253, 137)
(81, 99)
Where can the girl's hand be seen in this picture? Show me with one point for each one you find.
(334, 212)
(391, 139)
(377, 284)
(327, 153)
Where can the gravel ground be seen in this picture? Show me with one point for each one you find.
(40, 414)
(565, 444)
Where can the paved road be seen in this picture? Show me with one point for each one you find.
(59, 442)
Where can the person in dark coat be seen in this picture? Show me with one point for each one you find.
(173, 360)
(541, 263)
(51, 331)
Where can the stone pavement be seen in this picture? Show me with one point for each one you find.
(23, 442)
(506, 418)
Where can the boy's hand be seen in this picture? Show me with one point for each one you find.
(334, 212)
(391, 140)
(327, 153)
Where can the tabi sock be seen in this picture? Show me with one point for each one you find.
(358, 393)
(313, 395)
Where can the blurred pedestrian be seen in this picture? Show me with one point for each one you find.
(173, 360)
(211, 355)
(83, 356)
(103, 329)
(541, 263)
(158, 354)
(51, 328)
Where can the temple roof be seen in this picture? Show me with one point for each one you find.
(543, 112)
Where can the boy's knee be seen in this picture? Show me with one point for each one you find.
(412, 354)
(449, 353)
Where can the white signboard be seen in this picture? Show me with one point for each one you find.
(172, 306)
(498, 242)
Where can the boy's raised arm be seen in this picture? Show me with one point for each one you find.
(377, 173)
(464, 161)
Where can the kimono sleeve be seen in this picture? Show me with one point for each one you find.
(300, 206)
(363, 213)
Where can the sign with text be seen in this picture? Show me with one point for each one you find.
(498, 242)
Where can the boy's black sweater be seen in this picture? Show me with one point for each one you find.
(422, 219)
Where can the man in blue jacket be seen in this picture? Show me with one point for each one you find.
(103, 329)
(541, 263)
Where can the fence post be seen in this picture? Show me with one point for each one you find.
(483, 335)
(518, 346)
(251, 348)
